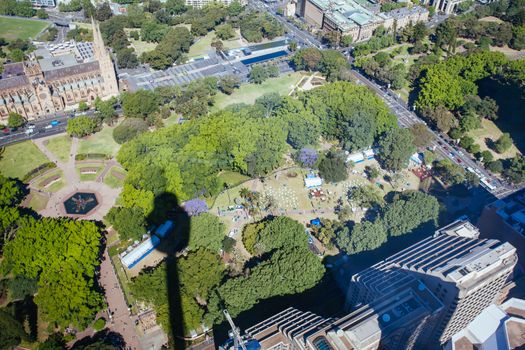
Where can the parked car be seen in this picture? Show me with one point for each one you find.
(54, 122)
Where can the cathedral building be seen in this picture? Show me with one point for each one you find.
(45, 85)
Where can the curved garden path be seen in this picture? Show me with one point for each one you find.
(106, 195)
(121, 321)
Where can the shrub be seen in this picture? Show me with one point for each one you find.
(99, 324)
(38, 170)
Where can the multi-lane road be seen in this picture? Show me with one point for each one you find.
(441, 144)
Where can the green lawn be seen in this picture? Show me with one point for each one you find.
(203, 45)
(38, 201)
(172, 119)
(248, 93)
(489, 130)
(17, 28)
(89, 177)
(232, 178)
(101, 142)
(20, 158)
(60, 146)
(113, 181)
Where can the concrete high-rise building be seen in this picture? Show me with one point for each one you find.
(394, 322)
(466, 273)
(418, 298)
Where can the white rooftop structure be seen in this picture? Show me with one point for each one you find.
(495, 328)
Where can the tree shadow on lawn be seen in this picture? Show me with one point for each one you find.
(511, 102)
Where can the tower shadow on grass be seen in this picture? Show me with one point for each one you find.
(167, 207)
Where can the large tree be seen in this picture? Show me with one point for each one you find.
(206, 231)
(395, 149)
(139, 104)
(130, 223)
(288, 271)
(363, 237)
(408, 211)
(332, 168)
(81, 126)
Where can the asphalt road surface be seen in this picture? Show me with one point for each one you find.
(441, 144)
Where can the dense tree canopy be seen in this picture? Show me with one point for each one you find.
(206, 231)
(363, 236)
(130, 223)
(59, 252)
(408, 211)
(448, 82)
(349, 113)
(288, 271)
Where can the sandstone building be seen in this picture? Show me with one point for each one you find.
(41, 86)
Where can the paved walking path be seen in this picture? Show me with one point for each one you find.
(105, 194)
(109, 164)
(122, 322)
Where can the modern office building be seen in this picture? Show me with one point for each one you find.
(466, 273)
(504, 220)
(356, 18)
(419, 298)
(394, 322)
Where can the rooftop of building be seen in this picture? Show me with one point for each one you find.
(371, 323)
(497, 328)
(406, 11)
(350, 13)
(449, 255)
(56, 62)
(512, 210)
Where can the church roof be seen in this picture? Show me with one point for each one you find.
(13, 82)
(80, 68)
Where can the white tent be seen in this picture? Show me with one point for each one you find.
(311, 182)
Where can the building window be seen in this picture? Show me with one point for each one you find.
(321, 343)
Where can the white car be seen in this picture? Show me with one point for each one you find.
(49, 126)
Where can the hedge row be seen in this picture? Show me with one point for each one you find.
(84, 156)
(38, 171)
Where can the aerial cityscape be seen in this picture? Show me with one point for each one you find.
(262, 174)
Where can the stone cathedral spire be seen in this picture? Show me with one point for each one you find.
(107, 70)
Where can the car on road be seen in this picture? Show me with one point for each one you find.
(54, 123)
(48, 126)
(6, 131)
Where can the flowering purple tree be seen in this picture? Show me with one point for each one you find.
(195, 207)
(307, 157)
